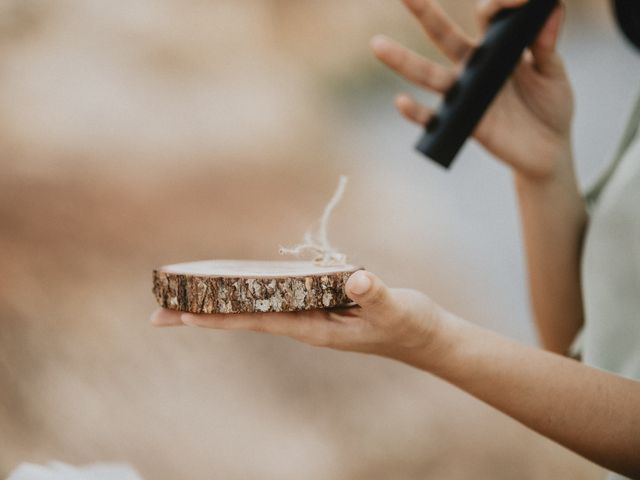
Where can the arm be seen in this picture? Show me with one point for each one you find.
(538, 101)
(553, 217)
(593, 413)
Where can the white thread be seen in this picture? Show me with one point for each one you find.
(325, 254)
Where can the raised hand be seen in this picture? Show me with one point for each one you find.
(528, 125)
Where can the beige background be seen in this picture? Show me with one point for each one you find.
(136, 133)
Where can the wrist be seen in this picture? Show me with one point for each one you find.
(437, 347)
(555, 166)
(558, 191)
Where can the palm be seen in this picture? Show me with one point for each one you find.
(527, 120)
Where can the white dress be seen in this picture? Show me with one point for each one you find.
(610, 338)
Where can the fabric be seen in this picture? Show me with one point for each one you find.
(610, 338)
(62, 471)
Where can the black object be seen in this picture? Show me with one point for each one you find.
(509, 33)
(628, 16)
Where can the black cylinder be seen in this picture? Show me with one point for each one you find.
(509, 33)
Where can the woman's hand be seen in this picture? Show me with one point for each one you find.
(592, 412)
(528, 125)
(394, 323)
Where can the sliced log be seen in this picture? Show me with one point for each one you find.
(237, 286)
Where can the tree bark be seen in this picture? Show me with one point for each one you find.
(230, 286)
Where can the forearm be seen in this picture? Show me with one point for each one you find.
(593, 413)
(553, 218)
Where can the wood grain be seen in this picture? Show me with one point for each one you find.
(237, 286)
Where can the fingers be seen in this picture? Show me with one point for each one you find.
(368, 291)
(416, 69)
(412, 110)
(166, 318)
(544, 48)
(412, 66)
(446, 34)
(276, 323)
(487, 9)
(313, 326)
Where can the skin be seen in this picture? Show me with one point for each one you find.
(539, 99)
(594, 413)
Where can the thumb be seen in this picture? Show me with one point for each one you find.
(368, 291)
(544, 47)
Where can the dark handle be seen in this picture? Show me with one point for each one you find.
(510, 32)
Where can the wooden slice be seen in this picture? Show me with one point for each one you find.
(236, 286)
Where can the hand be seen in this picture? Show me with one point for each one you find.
(528, 125)
(390, 322)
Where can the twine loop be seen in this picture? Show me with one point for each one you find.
(318, 243)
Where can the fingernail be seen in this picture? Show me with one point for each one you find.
(403, 99)
(359, 282)
(159, 319)
(379, 43)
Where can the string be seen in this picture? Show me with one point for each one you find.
(324, 254)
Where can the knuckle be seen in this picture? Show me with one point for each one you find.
(426, 75)
(415, 113)
(401, 60)
(421, 118)
(435, 77)
(377, 296)
(459, 50)
(438, 33)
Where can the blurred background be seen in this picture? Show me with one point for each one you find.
(138, 133)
